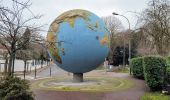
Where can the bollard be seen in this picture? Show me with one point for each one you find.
(50, 71)
(35, 72)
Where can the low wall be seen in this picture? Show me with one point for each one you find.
(19, 65)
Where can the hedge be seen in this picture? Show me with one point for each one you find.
(168, 61)
(168, 70)
(154, 70)
(137, 67)
(168, 74)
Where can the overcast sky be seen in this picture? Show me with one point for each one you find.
(53, 8)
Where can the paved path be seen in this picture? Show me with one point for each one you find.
(133, 93)
(45, 72)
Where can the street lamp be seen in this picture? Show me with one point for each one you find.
(114, 13)
(124, 17)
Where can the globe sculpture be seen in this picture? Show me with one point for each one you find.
(78, 42)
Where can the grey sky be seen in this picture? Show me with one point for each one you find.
(52, 8)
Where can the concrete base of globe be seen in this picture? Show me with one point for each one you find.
(77, 77)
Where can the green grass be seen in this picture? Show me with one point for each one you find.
(155, 96)
(103, 84)
(101, 67)
(121, 70)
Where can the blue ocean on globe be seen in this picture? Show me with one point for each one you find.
(78, 41)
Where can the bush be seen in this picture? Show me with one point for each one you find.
(168, 61)
(154, 69)
(168, 75)
(168, 70)
(137, 67)
(13, 88)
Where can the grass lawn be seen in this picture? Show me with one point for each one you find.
(122, 70)
(101, 67)
(116, 70)
(155, 96)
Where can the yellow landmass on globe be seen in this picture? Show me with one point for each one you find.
(68, 17)
(51, 41)
(105, 40)
(54, 52)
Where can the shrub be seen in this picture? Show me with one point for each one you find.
(154, 69)
(168, 70)
(168, 74)
(13, 88)
(137, 67)
(168, 61)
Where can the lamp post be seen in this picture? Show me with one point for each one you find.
(114, 13)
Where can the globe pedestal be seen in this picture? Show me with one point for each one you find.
(77, 77)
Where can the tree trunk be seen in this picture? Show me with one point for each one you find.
(160, 50)
(13, 62)
(12, 59)
(27, 66)
(6, 65)
(10, 65)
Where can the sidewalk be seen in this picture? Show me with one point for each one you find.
(29, 75)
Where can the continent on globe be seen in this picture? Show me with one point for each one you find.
(78, 41)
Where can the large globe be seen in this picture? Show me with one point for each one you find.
(78, 41)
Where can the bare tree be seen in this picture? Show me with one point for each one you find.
(140, 42)
(13, 24)
(114, 26)
(156, 23)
